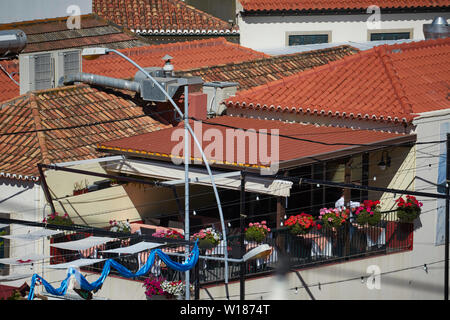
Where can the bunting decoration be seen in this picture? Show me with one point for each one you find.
(123, 271)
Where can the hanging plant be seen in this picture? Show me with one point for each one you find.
(369, 213)
(300, 224)
(256, 231)
(409, 210)
(207, 238)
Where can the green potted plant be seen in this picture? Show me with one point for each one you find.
(207, 238)
(56, 218)
(369, 213)
(256, 231)
(300, 224)
(408, 210)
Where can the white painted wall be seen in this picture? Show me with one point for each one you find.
(267, 32)
(23, 201)
(26, 10)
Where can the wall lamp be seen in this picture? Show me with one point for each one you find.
(383, 164)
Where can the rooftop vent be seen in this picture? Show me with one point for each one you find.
(439, 28)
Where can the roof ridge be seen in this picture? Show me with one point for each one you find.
(18, 24)
(34, 105)
(382, 52)
(177, 45)
(342, 48)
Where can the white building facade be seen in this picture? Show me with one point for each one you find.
(276, 29)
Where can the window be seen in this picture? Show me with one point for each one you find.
(302, 39)
(4, 247)
(390, 36)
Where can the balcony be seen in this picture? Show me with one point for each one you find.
(319, 247)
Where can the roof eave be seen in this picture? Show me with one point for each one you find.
(345, 152)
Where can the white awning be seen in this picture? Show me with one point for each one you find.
(32, 236)
(14, 277)
(135, 248)
(26, 259)
(169, 171)
(3, 225)
(82, 244)
(75, 264)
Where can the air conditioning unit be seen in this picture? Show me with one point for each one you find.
(217, 92)
(43, 70)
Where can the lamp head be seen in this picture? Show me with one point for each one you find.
(93, 53)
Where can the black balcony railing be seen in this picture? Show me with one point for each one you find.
(315, 248)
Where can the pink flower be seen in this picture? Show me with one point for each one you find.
(263, 222)
(250, 224)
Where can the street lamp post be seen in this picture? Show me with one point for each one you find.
(93, 53)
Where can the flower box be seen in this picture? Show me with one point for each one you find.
(369, 213)
(207, 238)
(300, 224)
(334, 218)
(256, 232)
(56, 218)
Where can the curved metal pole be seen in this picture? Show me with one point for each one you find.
(198, 145)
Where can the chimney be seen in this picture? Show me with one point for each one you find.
(197, 105)
(439, 28)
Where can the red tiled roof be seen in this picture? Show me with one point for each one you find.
(53, 34)
(158, 15)
(8, 89)
(159, 144)
(186, 55)
(388, 82)
(301, 5)
(257, 72)
(64, 107)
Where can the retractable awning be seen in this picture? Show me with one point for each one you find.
(169, 171)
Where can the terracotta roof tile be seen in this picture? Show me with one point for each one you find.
(8, 89)
(299, 5)
(53, 34)
(186, 55)
(64, 107)
(158, 15)
(260, 71)
(331, 139)
(387, 82)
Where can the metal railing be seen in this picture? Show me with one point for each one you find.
(318, 247)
